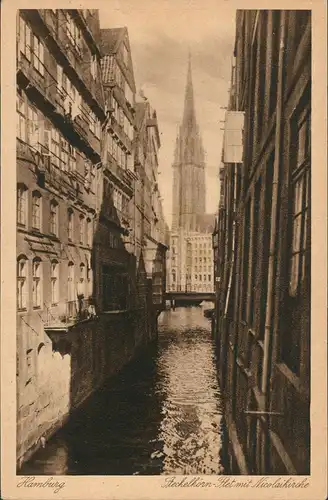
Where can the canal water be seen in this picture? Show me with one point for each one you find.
(161, 415)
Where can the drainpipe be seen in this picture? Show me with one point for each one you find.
(274, 215)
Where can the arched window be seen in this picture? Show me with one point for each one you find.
(37, 283)
(22, 283)
(81, 229)
(54, 217)
(54, 282)
(22, 204)
(70, 224)
(36, 210)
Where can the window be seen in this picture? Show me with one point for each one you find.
(38, 55)
(24, 39)
(89, 232)
(196, 276)
(81, 229)
(70, 222)
(54, 282)
(55, 146)
(22, 283)
(21, 204)
(54, 217)
(73, 33)
(303, 140)
(36, 210)
(21, 118)
(209, 277)
(299, 227)
(173, 276)
(33, 131)
(64, 154)
(37, 283)
(300, 197)
(72, 159)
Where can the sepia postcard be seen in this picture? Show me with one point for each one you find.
(164, 249)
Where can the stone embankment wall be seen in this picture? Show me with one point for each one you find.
(69, 367)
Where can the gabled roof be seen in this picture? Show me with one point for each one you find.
(111, 39)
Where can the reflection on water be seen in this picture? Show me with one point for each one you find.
(160, 415)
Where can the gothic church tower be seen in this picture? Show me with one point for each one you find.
(188, 168)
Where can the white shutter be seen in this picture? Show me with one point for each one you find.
(21, 47)
(59, 78)
(35, 52)
(28, 41)
(41, 64)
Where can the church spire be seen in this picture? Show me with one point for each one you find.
(189, 116)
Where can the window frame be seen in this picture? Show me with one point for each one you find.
(38, 55)
(22, 204)
(36, 216)
(37, 283)
(24, 33)
(54, 278)
(22, 284)
(54, 217)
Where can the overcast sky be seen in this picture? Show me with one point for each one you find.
(161, 33)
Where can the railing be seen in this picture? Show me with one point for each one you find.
(68, 313)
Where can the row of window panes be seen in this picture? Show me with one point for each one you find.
(37, 281)
(74, 33)
(199, 277)
(203, 269)
(117, 152)
(36, 222)
(73, 103)
(33, 129)
(120, 201)
(30, 46)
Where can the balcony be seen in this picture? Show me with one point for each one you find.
(62, 317)
(24, 152)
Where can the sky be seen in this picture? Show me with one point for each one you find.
(161, 33)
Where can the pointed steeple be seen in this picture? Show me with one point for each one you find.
(189, 116)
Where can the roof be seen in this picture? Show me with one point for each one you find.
(110, 39)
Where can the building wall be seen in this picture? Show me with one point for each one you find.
(191, 262)
(84, 303)
(264, 353)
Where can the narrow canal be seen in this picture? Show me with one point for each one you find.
(161, 415)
